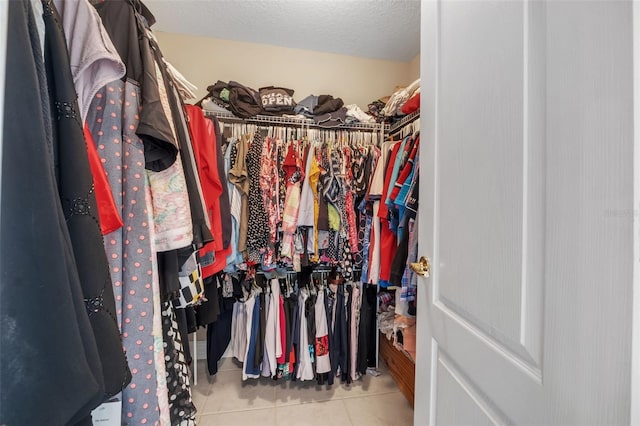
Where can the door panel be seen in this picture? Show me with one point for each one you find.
(526, 122)
(490, 234)
(462, 404)
(483, 220)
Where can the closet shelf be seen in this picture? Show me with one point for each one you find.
(305, 122)
(404, 121)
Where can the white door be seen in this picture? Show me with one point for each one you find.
(526, 210)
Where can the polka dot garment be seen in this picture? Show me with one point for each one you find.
(113, 119)
(343, 250)
(181, 407)
(258, 233)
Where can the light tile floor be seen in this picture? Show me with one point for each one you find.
(224, 400)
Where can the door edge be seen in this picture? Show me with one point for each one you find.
(635, 344)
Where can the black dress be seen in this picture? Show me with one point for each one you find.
(50, 360)
(75, 186)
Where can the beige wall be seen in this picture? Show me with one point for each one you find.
(205, 60)
(414, 68)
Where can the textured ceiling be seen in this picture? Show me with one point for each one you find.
(380, 29)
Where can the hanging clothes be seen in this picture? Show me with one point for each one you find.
(338, 346)
(269, 184)
(354, 331)
(258, 221)
(113, 118)
(348, 195)
(273, 340)
(235, 205)
(181, 407)
(69, 384)
(250, 369)
(108, 213)
(219, 332)
(388, 241)
(305, 368)
(201, 233)
(225, 203)
(238, 331)
(78, 201)
(94, 62)
(170, 189)
(203, 134)
(323, 363)
(239, 176)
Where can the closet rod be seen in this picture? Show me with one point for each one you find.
(229, 117)
(409, 118)
(322, 269)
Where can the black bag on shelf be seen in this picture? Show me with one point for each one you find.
(244, 101)
(219, 93)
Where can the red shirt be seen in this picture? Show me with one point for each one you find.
(213, 255)
(108, 214)
(388, 243)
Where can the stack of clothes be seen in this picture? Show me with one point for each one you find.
(327, 111)
(245, 102)
(404, 101)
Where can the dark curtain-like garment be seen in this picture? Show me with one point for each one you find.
(49, 362)
(79, 205)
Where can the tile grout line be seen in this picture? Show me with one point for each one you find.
(239, 410)
(336, 398)
(305, 403)
(346, 409)
(367, 395)
(288, 404)
(277, 416)
(276, 406)
(236, 411)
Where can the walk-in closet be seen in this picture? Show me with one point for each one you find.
(312, 212)
(235, 236)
